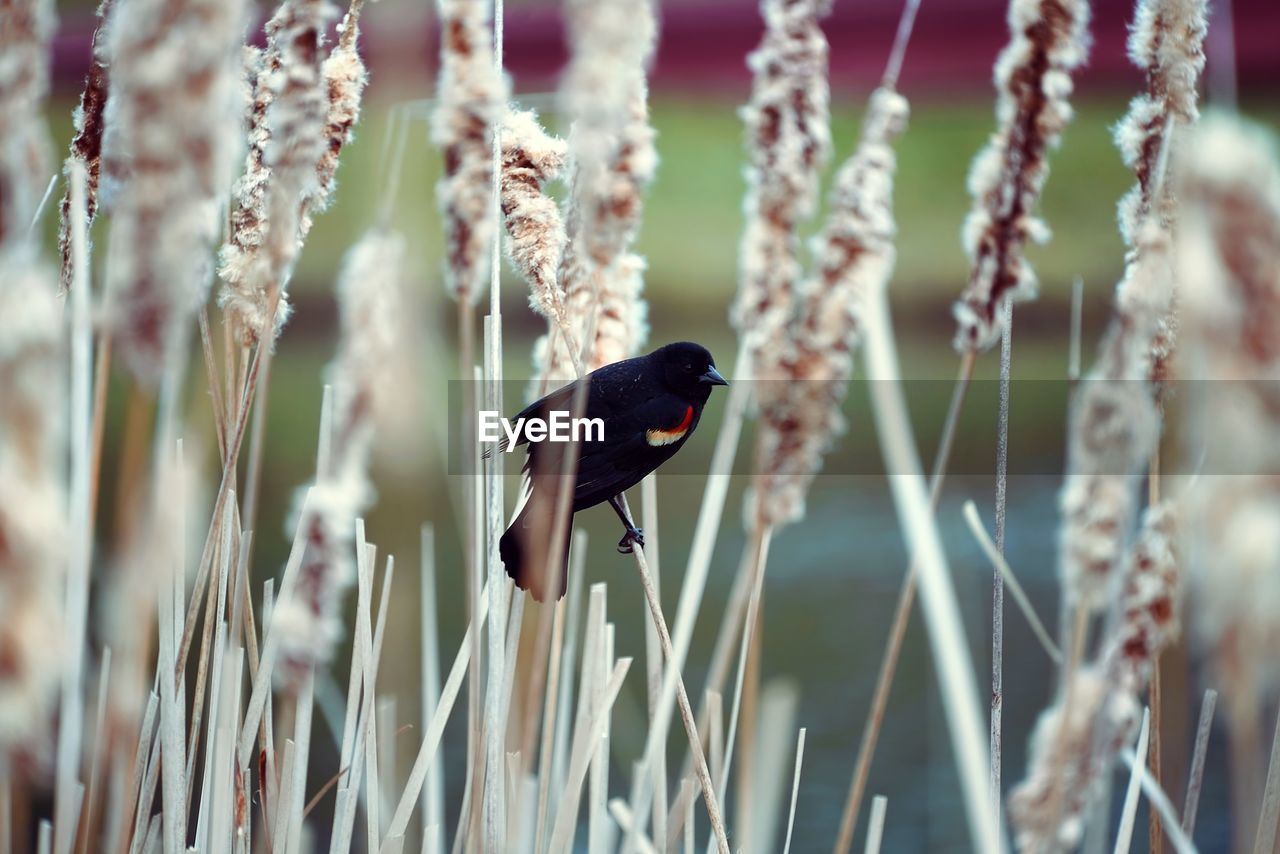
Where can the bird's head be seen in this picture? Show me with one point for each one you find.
(688, 369)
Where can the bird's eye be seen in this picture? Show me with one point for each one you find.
(688, 368)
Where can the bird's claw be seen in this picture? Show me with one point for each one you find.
(633, 537)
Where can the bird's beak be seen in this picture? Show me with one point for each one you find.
(712, 377)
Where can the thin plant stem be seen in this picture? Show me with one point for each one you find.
(901, 618)
(997, 578)
(1124, 835)
(875, 826)
(1269, 819)
(941, 610)
(795, 791)
(686, 713)
(1201, 753)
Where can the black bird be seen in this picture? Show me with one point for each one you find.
(649, 407)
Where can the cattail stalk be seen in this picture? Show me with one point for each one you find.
(788, 142)
(1048, 41)
(801, 416)
(471, 98)
(172, 119)
(289, 141)
(33, 494)
(535, 230)
(611, 143)
(1115, 427)
(1229, 266)
(86, 145)
(311, 619)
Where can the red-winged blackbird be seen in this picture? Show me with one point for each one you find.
(649, 406)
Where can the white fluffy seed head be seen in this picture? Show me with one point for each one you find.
(800, 412)
(788, 143)
(173, 117)
(471, 98)
(1073, 750)
(1229, 274)
(368, 304)
(1049, 40)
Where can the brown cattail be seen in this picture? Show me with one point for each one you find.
(1167, 43)
(800, 417)
(345, 79)
(535, 232)
(614, 160)
(788, 142)
(368, 302)
(25, 29)
(33, 498)
(1073, 749)
(1116, 425)
(173, 114)
(289, 138)
(1147, 619)
(1049, 40)
(1072, 758)
(471, 97)
(1229, 272)
(86, 145)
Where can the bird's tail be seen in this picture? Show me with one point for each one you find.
(527, 545)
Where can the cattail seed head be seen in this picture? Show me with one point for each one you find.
(1229, 273)
(369, 304)
(800, 415)
(535, 232)
(1073, 748)
(613, 162)
(173, 114)
(1049, 40)
(788, 142)
(471, 98)
(289, 138)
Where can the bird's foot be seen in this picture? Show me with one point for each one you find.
(632, 538)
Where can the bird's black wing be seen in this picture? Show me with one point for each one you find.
(625, 456)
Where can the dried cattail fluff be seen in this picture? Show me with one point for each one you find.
(788, 142)
(345, 78)
(855, 254)
(1073, 747)
(535, 233)
(1049, 40)
(86, 145)
(33, 499)
(288, 138)
(25, 29)
(1070, 760)
(471, 97)
(1147, 619)
(33, 496)
(1229, 272)
(174, 66)
(1166, 42)
(368, 300)
(614, 161)
(1115, 427)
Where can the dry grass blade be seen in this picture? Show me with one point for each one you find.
(946, 635)
(1005, 572)
(1128, 813)
(875, 826)
(795, 791)
(1195, 782)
